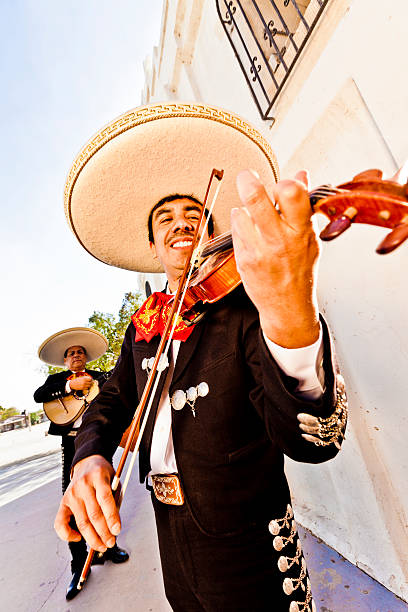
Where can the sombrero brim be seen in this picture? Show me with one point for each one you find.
(53, 348)
(146, 154)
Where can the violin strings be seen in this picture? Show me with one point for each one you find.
(224, 239)
(216, 244)
(220, 237)
(324, 191)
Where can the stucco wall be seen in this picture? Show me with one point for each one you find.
(342, 111)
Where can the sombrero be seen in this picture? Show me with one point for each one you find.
(149, 153)
(53, 348)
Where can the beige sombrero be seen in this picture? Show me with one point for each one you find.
(53, 348)
(146, 154)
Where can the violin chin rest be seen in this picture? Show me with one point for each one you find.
(191, 317)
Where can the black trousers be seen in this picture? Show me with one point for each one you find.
(229, 574)
(78, 549)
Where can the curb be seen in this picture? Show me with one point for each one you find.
(30, 458)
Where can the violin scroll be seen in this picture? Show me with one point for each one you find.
(366, 199)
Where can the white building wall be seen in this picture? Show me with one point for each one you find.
(342, 111)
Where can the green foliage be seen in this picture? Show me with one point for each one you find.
(114, 328)
(36, 417)
(50, 369)
(6, 413)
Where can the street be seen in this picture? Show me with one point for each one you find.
(36, 564)
(22, 477)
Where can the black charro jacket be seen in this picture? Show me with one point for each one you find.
(230, 456)
(54, 388)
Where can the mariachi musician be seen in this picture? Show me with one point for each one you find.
(251, 381)
(65, 396)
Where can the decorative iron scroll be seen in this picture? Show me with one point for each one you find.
(267, 37)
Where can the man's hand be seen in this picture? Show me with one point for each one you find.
(276, 251)
(89, 499)
(82, 383)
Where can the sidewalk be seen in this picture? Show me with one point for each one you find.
(21, 444)
(36, 564)
(36, 573)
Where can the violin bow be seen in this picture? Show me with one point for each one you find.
(153, 380)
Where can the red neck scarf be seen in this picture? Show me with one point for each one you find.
(152, 316)
(77, 374)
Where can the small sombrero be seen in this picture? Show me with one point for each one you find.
(53, 348)
(149, 153)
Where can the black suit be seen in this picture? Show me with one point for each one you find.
(229, 457)
(55, 388)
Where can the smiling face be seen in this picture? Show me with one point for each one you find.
(173, 226)
(75, 359)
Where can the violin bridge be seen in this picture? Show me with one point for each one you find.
(196, 257)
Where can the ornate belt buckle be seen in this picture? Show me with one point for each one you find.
(167, 489)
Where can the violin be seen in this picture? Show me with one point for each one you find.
(366, 199)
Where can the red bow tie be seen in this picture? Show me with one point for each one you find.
(77, 375)
(152, 316)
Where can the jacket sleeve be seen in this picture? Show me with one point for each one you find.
(52, 389)
(111, 411)
(283, 411)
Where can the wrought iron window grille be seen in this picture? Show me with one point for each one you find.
(267, 37)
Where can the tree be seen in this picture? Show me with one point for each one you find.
(50, 369)
(6, 413)
(113, 328)
(36, 417)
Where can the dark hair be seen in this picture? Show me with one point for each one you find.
(171, 198)
(66, 351)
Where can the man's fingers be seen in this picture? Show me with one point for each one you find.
(89, 499)
(62, 526)
(86, 381)
(96, 512)
(110, 511)
(293, 201)
(89, 518)
(254, 197)
(303, 177)
(244, 228)
(291, 198)
(92, 524)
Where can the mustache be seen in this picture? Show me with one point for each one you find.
(180, 236)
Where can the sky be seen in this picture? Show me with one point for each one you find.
(67, 68)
